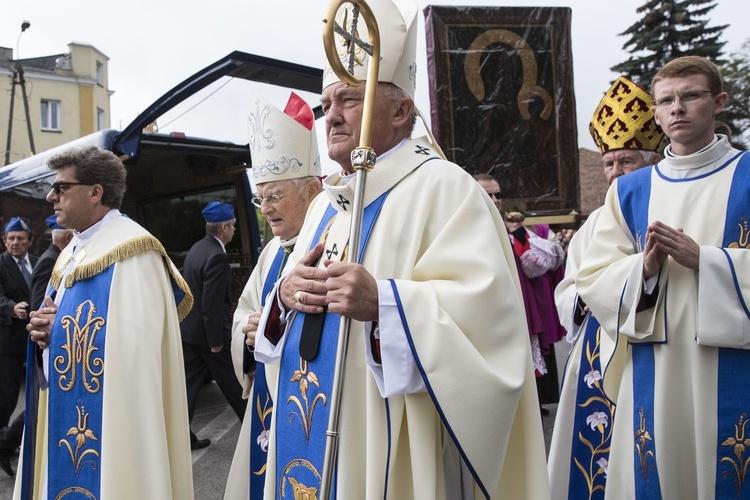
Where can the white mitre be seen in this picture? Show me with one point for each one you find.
(397, 23)
(283, 144)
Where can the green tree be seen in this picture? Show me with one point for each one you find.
(667, 30)
(736, 113)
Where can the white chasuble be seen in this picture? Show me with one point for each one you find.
(113, 421)
(442, 248)
(682, 403)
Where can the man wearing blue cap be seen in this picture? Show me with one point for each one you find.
(16, 266)
(43, 268)
(206, 338)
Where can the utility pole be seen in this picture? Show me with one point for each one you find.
(18, 73)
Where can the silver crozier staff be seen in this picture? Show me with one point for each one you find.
(363, 160)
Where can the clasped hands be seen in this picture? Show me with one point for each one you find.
(40, 324)
(663, 241)
(344, 288)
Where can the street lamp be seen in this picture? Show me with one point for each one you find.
(18, 79)
(24, 26)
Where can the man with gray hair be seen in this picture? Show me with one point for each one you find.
(284, 195)
(206, 329)
(439, 399)
(106, 412)
(624, 130)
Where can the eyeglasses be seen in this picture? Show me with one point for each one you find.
(271, 199)
(57, 187)
(685, 97)
(498, 195)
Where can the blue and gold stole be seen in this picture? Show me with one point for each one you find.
(305, 388)
(733, 378)
(76, 382)
(261, 397)
(634, 192)
(732, 450)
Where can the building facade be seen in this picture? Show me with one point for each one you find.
(67, 94)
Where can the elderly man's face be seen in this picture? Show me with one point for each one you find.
(343, 107)
(286, 216)
(17, 243)
(621, 162)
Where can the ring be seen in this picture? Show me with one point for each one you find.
(298, 296)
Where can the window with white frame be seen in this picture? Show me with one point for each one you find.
(51, 115)
(100, 119)
(100, 73)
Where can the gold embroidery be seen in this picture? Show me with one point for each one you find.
(642, 435)
(305, 414)
(596, 470)
(742, 240)
(286, 474)
(262, 439)
(80, 349)
(81, 433)
(739, 443)
(121, 252)
(302, 492)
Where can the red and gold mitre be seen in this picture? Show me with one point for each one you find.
(624, 120)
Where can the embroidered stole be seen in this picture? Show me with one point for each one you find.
(301, 420)
(734, 364)
(592, 425)
(262, 409)
(76, 388)
(733, 381)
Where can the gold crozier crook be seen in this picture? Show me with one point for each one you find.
(363, 160)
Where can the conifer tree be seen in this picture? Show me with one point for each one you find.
(667, 30)
(736, 113)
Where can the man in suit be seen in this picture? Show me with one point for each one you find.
(206, 338)
(16, 265)
(10, 436)
(43, 268)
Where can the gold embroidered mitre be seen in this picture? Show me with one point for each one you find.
(624, 120)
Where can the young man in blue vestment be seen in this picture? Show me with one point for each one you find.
(667, 275)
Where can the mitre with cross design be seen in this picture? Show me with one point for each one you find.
(624, 120)
(397, 24)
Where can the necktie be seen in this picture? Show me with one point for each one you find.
(25, 272)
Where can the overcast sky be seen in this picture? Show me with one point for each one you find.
(154, 45)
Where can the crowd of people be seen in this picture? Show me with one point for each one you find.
(448, 311)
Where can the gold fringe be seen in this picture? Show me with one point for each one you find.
(121, 252)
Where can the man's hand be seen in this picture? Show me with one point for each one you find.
(217, 349)
(20, 310)
(304, 289)
(352, 291)
(663, 241)
(251, 328)
(513, 220)
(40, 325)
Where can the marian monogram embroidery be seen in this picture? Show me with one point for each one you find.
(80, 334)
(742, 240)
